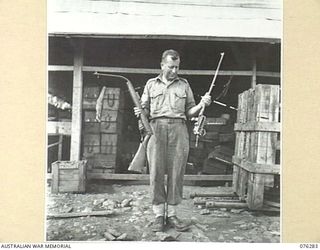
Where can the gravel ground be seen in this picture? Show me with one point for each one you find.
(130, 217)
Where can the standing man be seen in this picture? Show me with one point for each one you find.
(168, 101)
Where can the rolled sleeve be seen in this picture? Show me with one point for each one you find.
(145, 98)
(190, 102)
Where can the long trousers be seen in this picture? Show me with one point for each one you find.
(167, 153)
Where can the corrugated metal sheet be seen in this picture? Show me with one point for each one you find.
(211, 18)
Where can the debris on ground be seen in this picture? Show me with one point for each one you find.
(124, 213)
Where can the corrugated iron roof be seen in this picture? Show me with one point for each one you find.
(206, 18)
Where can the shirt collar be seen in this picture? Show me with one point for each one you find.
(159, 78)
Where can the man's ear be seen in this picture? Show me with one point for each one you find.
(161, 65)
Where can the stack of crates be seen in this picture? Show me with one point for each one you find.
(101, 139)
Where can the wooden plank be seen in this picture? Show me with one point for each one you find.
(68, 186)
(234, 204)
(82, 172)
(91, 92)
(91, 128)
(91, 150)
(75, 147)
(102, 160)
(258, 126)
(55, 178)
(91, 139)
(157, 71)
(238, 145)
(254, 73)
(79, 214)
(60, 147)
(146, 177)
(169, 37)
(258, 168)
(53, 144)
(213, 194)
(56, 128)
(265, 144)
(271, 203)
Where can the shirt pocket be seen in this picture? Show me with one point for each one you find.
(156, 101)
(178, 101)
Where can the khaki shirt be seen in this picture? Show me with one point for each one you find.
(171, 100)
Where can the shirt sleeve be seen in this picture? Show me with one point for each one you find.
(190, 102)
(145, 98)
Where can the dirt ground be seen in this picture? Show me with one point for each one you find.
(131, 216)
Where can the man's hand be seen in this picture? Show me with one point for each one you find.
(206, 99)
(137, 112)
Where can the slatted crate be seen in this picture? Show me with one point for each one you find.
(69, 177)
(101, 139)
(257, 143)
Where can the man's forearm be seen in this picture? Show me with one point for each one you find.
(194, 111)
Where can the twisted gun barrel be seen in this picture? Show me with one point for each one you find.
(139, 159)
(198, 129)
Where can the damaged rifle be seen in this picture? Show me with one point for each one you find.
(140, 157)
(198, 129)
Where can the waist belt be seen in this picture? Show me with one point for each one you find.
(168, 120)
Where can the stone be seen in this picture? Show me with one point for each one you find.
(236, 211)
(186, 237)
(223, 209)
(96, 202)
(246, 226)
(114, 232)
(109, 236)
(202, 227)
(274, 226)
(164, 236)
(205, 211)
(224, 215)
(275, 233)
(125, 209)
(238, 238)
(233, 230)
(126, 202)
(122, 236)
(221, 237)
(239, 222)
(87, 210)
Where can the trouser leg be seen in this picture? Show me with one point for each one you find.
(156, 153)
(178, 150)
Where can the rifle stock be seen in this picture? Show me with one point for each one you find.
(139, 160)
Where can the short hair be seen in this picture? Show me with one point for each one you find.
(172, 53)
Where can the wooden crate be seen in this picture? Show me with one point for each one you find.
(101, 138)
(257, 132)
(91, 92)
(102, 161)
(68, 176)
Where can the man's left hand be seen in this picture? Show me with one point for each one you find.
(206, 99)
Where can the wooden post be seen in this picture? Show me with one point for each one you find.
(77, 102)
(55, 178)
(254, 73)
(60, 147)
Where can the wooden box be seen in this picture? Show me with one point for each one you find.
(91, 139)
(91, 128)
(102, 161)
(68, 176)
(89, 103)
(91, 92)
(257, 139)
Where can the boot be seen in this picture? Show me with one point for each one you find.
(177, 224)
(158, 224)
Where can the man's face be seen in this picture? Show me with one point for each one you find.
(170, 68)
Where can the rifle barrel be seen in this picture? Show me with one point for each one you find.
(216, 74)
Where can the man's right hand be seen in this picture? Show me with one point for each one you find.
(137, 111)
